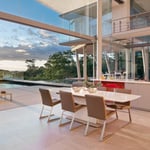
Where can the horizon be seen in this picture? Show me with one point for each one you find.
(18, 65)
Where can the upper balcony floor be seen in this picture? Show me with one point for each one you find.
(132, 26)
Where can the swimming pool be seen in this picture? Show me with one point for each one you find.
(10, 85)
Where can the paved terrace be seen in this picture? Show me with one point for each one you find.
(21, 129)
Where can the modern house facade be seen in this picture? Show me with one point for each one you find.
(120, 31)
(121, 28)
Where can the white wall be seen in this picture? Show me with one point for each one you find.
(121, 11)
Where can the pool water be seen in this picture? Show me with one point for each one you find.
(8, 85)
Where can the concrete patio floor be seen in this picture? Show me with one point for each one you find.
(21, 129)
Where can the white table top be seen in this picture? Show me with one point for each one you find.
(111, 96)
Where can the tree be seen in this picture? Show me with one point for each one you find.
(32, 71)
(61, 65)
(30, 63)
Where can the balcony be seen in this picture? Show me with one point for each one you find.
(133, 26)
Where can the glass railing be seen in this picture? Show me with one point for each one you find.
(107, 27)
(137, 21)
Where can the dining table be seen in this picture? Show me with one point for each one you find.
(107, 95)
(79, 97)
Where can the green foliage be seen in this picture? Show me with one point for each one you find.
(34, 73)
(59, 66)
(30, 63)
(89, 66)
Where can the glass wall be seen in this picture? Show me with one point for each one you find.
(140, 11)
(108, 54)
(114, 60)
(78, 15)
(139, 72)
(107, 17)
(82, 20)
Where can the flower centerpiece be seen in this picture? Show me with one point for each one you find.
(76, 89)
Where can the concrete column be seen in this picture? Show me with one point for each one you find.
(78, 66)
(133, 65)
(94, 60)
(87, 19)
(99, 39)
(145, 63)
(116, 61)
(127, 63)
(84, 64)
(107, 63)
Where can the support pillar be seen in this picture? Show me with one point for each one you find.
(99, 39)
(78, 66)
(85, 64)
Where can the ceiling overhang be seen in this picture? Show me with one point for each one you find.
(80, 49)
(66, 5)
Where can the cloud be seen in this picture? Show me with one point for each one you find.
(26, 54)
(21, 51)
(19, 42)
(44, 33)
(39, 52)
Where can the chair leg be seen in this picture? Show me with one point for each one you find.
(72, 121)
(50, 114)
(129, 115)
(41, 112)
(61, 118)
(87, 127)
(103, 130)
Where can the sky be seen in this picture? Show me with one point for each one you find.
(19, 42)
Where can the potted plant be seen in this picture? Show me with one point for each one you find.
(92, 86)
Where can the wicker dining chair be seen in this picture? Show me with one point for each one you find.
(96, 109)
(122, 105)
(47, 100)
(68, 104)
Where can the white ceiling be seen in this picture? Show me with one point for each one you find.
(64, 6)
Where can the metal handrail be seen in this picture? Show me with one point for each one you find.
(132, 22)
(132, 16)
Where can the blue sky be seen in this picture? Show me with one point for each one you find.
(19, 42)
(30, 9)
